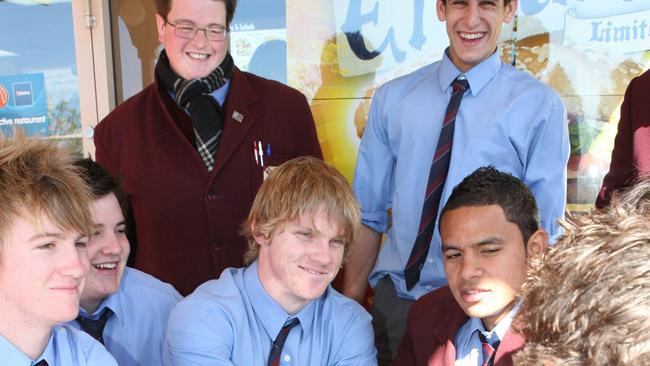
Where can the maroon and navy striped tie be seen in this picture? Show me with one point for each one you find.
(278, 343)
(488, 349)
(436, 182)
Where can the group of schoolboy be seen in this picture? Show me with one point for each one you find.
(454, 161)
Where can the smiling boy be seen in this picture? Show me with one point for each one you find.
(182, 146)
(490, 234)
(44, 225)
(281, 309)
(125, 309)
(419, 142)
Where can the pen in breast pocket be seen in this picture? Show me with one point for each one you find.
(261, 152)
(268, 149)
(255, 153)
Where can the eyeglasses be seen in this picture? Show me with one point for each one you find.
(188, 31)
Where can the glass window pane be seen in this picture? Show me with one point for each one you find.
(38, 70)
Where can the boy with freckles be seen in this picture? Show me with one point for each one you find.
(490, 235)
(281, 309)
(123, 308)
(44, 227)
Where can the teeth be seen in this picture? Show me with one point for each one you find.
(105, 265)
(313, 272)
(199, 56)
(471, 35)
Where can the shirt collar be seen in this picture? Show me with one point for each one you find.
(476, 324)
(478, 76)
(48, 353)
(269, 312)
(112, 301)
(11, 355)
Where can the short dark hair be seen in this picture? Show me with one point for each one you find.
(100, 181)
(487, 186)
(164, 6)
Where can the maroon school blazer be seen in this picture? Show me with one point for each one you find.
(187, 222)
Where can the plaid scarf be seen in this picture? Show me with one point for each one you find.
(194, 96)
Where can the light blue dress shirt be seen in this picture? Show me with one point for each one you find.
(135, 333)
(66, 347)
(507, 119)
(469, 350)
(233, 321)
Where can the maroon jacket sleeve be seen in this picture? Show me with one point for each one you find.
(631, 154)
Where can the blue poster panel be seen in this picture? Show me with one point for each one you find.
(23, 104)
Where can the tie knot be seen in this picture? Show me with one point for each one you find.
(95, 327)
(290, 323)
(460, 84)
(492, 342)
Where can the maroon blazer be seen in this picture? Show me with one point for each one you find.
(631, 154)
(187, 221)
(431, 327)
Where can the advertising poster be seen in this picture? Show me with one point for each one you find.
(23, 104)
(258, 38)
(339, 51)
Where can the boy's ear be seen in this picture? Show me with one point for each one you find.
(510, 11)
(257, 235)
(537, 245)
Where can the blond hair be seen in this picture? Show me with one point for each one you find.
(39, 179)
(301, 186)
(588, 302)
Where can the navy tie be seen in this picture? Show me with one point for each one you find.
(95, 327)
(41, 363)
(435, 184)
(278, 343)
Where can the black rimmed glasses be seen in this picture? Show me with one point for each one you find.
(188, 31)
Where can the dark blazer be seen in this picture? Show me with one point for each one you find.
(187, 222)
(431, 327)
(631, 154)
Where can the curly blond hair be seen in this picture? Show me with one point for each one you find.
(588, 303)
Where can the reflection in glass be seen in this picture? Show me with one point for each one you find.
(38, 70)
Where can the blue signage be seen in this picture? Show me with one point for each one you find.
(23, 104)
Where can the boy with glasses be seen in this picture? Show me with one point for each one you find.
(193, 148)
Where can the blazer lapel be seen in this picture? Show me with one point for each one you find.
(445, 333)
(238, 120)
(512, 342)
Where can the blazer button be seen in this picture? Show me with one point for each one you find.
(211, 197)
(216, 246)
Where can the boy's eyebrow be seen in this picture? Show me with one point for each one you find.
(192, 23)
(486, 241)
(45, 235)
(490, 240)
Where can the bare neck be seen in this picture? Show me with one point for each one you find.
(27, 335)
